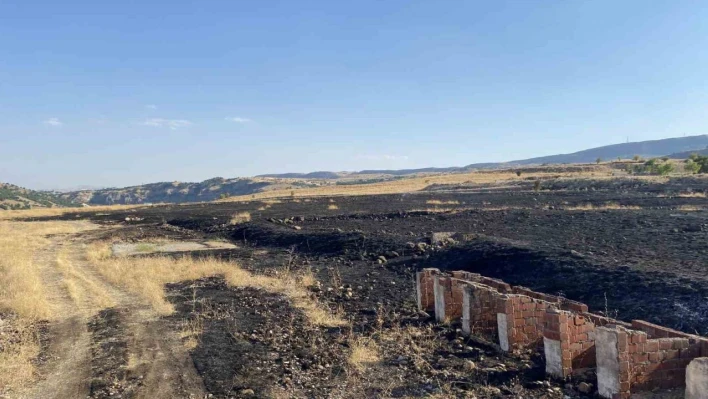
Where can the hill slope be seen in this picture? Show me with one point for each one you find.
(646, 149)
(15, 197)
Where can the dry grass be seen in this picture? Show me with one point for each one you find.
(684, 195)
(240, 217)
(147, 276)
(364, 354)
(23, 296)
(332, 207)
(83, 291)
(691, 208)
(438, 202)
(602, 207)
(49, 212)
(420, 182)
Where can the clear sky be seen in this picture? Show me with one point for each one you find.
(116, 93)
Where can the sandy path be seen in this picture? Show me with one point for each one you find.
(156, 364)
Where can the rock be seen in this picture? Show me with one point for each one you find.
(297, 228)
(392, 254)
(576, 254)
(439, 237)
(584, 387)
(246, 392)
(382, 259)
(421, 247)
(470, 365)
(410, 245)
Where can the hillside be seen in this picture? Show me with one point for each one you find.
(15, 197)
(171, 192)
(645, 149)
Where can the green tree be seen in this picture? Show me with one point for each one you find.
(598, 160)
(636, 158)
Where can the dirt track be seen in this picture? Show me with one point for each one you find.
(122, 351)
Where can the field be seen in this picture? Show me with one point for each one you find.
(310, 294)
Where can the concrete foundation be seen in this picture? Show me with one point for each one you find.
(697, 379)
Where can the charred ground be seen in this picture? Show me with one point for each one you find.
(632, 250)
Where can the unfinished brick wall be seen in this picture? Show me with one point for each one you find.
(425, 280)
(520, 321)
(637, 357)
(568, 341)
(479, 311)
(448, 297)
(563, 303)
(629, 361)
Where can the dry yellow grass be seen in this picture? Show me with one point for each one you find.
(147, 276)
(602, 207)
(240, 217)
(365, 353)
(23, 294)
(48, 212)
(438, 202)
(417, 183)
(332, 207)
(691, 208)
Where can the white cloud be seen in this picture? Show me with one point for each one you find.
(172, 124)
(53, 122)
(151, 106)
(238, 119)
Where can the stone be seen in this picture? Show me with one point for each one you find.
(470, 365)
(584, 387)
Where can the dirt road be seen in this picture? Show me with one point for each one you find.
(104, 342)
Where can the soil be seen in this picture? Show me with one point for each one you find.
(631, 251)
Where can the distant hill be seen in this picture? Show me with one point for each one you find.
(645, 149)
(176, 192)
(686, 154)
(311, 175)
(15, 197)
(170, 192)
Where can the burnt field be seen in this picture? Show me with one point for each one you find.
(632, 252)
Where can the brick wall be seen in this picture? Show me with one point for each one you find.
(637, 357)
(425, 280)
(645, 364)
(448, 297)
(564, 303)
(574, 337)
(520, 321)
(479, 311)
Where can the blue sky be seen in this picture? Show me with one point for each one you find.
(122, 93)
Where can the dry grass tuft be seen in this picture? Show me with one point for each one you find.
(364, 354)
(438, 202)
(332, 207)
(147, 276)
(691, 208)
(240, 217)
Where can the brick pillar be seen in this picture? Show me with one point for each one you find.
(425, 280)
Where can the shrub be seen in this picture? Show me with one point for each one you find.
(697, 164)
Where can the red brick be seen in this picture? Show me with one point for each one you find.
(652, 346)
(665, 343)
(640, 358)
